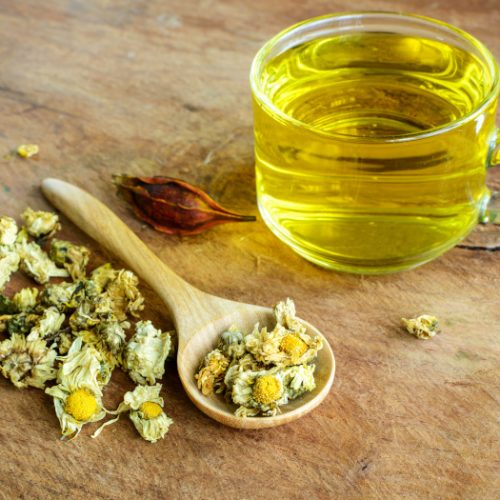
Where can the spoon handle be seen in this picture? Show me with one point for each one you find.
(99, 222)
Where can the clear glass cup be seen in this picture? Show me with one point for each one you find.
(373, 135)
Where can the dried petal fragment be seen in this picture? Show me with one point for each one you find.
(8, 230)
(211, 372)
(173, 206)
(27, 150)
(9, 263)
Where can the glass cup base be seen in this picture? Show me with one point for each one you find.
(353, 266)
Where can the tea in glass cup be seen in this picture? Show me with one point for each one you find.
(373, 132)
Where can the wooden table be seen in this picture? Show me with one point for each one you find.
(155, 87)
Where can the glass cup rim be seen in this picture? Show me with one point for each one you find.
(485, 52)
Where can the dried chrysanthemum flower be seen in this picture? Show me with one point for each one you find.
(231, 343)
(102, 276)
(124, 295)
(27, 150)
(22, 323)
(145, 353)
(48, 325)
(84, 317)
(76, 405)
(111, 357)
(84, 365)
(282, 347)
(112, 334)
(8, 230)
(211, 372)
(7, 306)
(259, 392)
(298, 380)
(40, 224)
(64, 341)
(284, 312)
(287, 344)
(263, 392)
(9, 263)
(422, 327)
(27, 363)
(246, 362)
(263, 370)
(26, 299)
(74, 258)
(37, 264)
(145, 407)
(146, 412)
(63, 295)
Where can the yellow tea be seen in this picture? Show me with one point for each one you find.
(355, 168)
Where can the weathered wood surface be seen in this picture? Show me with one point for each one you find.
(154, 87)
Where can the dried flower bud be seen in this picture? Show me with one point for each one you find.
(173, 206)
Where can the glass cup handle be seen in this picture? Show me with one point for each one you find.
(490, 214)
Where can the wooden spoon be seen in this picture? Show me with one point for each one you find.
(199, 318)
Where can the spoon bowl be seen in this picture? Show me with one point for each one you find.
(199, 318)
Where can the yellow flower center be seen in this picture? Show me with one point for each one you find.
(294, 346)
(81, 405)
(267, 389)
(150, 410)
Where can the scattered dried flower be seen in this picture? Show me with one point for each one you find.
(423, 327)
(145, 407)
(73, 258)
(146, 352)
(27, 362)
(40, 224)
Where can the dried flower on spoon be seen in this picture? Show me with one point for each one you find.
(173, 206)
(262, 370)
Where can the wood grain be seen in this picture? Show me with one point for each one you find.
(153, 87)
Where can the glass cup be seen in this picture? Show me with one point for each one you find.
(373, 134)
